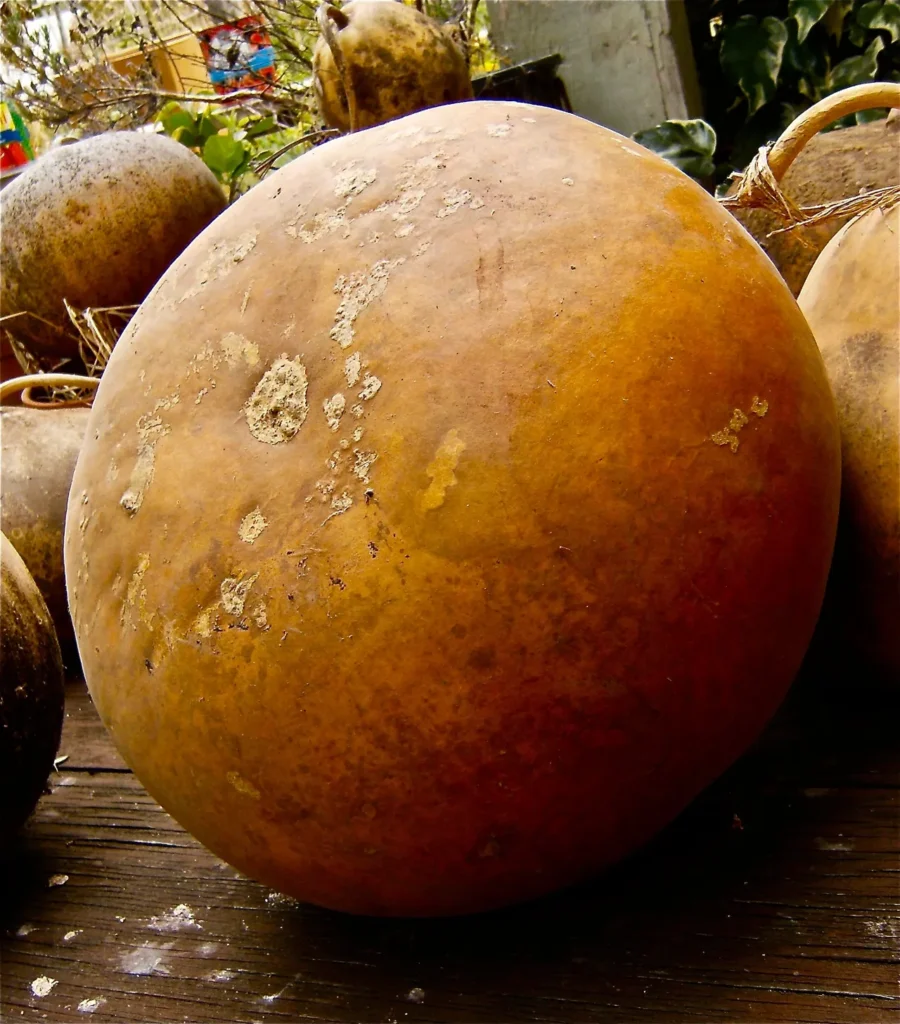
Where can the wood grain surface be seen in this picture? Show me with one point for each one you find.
(774, 898)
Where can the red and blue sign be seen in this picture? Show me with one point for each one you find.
(239, 55)
(15, 144)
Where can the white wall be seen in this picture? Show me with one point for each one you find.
(627, 63)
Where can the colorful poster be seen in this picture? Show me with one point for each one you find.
(239, 55)
(15, 144)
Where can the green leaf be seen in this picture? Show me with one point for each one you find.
(751, 55)
(209, 125)
(222, 155)
(834, 19)
(853, 70)
(186, 135)
(857, 36)
(881, 15)
(173, 116)
(804, 64)
(807, 13)
(689, 145)
(261, 127)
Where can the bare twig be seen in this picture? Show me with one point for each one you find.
(264, 166)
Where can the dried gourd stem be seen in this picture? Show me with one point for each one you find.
(857, 98)
(331, 20)
(53, 402)
(46, 380)
(758, 188)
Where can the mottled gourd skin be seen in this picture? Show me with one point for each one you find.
(397, 61)
(851, 300)
(96, 223)
(38, 449)
(460, 505)
(32, 693)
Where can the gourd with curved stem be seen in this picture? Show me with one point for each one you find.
(376, 61)
(40, 445)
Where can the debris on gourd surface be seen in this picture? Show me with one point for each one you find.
(474, 637)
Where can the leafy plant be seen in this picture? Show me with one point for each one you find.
(237, 149)
(689, 145)
(762, 62)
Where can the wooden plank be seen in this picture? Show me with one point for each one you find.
(85, 743)
(774, 898)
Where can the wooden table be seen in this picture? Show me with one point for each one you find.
(774, 898)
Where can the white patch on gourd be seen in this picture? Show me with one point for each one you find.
(334, 410)
(278, 407)
(260, 617)
(357, 292)
(136, 593)
(252, 526)
(220, 262)
(442, 471)
(324, 223)
(234, 591)
(363, 464)
(236, 349)
(151, 430)
(415, 180)
(371, 387)
(352, 367)
(353, 179)
(243, 787)
(341, 502)
(456, 198)
(728, 436)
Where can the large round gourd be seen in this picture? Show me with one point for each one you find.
(38, 449)
(459, 505)
(32, 693)
(96, 223)
(851, 300)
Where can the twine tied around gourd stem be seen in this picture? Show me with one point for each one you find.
(759, 187)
